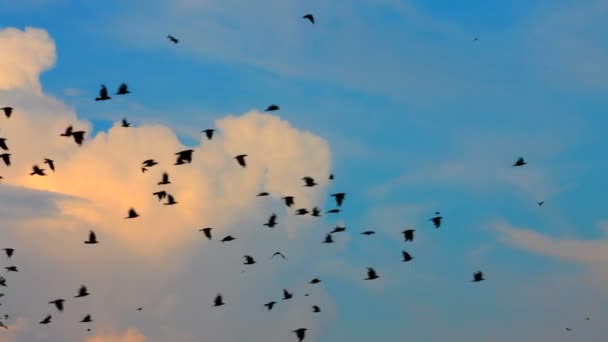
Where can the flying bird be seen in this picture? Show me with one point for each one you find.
(520, 162)
(300, 333)
(58, 304)
(3, 326)
(68, 132)
(338, 229)
(160, 194)
(173, 39)
(207, 232)
(436, 220)
(248, 260)
(368, 232)
(302, 211)
(143, 170)
(287, 295)
(50, 163)
(371, 274)
(92, 238)
(328, 239)
(568, 329)
(309, 181)
(269, 305)
(279, 254)
(227, 239)
(540, 204)
(315, 281)
(132, 214)
(46, 320)
(262, 194)
(7, 111)
(272, 221)
(165, 179)
(123, 89)
(315, 308)
(288, 201)
(316, 212)
(408, 234)
(125, 123)
(209, 133)
(9, 252)
(218, 301)
(37, 171)
(477, 277)
(331, 176)
(149, 163)
(87, 319)
(82, 292)
(184, 157)
(272, 108)
(3, 144)
(6, 158)
(103, 94)
(11, 269)
(339, 198)
(170, 200)
(309, 17)
(78, 137)
(2, 281)
(406, 256)
(333, 211)
(241, 159)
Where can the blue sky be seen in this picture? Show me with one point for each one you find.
(419, 118)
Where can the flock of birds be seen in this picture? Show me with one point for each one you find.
(185, 157)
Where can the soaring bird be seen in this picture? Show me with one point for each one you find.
(241, 159)
(11, 269)
(338, 229)
(436, 220)
(309, 17)
(331, 176)
(50, 163)
(82, 292)
(125, 123)
(2, 281)
(309, 181)
(170, 200)
(315, 281)
(87, 319)
(37, 171)
(519, 162)
(103, 94)
(287, 295)
(371, 274)
(143, 170)
(272, 221)
(160, 194)
(288, 201)
(184, 157)
(7, 111)
(218, 301)
(368, 232)
(78, 137)
(227, 239)
(316, 308)
(6, 158)
(406, 256)
(339, 198)
(173, 39)
(262, 194)
(272, 108)
(328, 239)
(302, 211)
(300, 333)
(3, 144)
(408, 234)
(568, 329)
(9, 252)
(540, 204)
(477, 277)
(269, 305)
(316, 212)
(248, 260)
(123, 89)
(165, 179)
(207, 232)
(58, 304)
(92, 238)
(46, 320)
(149, 162)
(209, 133)
(333, 211)
(68, 132)
(279, 254)
(132, 214)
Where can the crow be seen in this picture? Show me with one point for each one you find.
(125, 123)
(92, 238)
(279, 254)
(37, 171)
(68, 132)
(11, 269)
(269, 305)
(173, 39)
(7, 111)
(310, 18)
(184, 157)
(170, 200)
(309, 181)
(272, 221)
(160, 194)
(82, 292)
(9, 252)
(328, 239)
(477, 277)
(103, 94)
(408, 234)
(78, 137)
(209, 133)
(261, 194)
(406, 256)
(228, 238)
(165, 179)
(132, 214)
(218, 301)
(333, 211)
(339, 198)
(371, 274)
(519, 162)
(287, 295)
(3, 144)
(6, 158)
(436, 220)
(316, 212)
(302, 211)
(50, 163)
(123, 89)
(288, 201)
(300, 333)
(87, 319)
(207, 232)
(248, 260)
(540, 204)
(272, 108)
(315, 308)
(58, 304)
(338, 229)
(46, 320)
(315, 281)
(241, 159)
(149, 163)
(368, 232)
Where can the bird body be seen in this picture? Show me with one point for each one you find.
(50, 163)
(125, 123)
(339, 197)
(37, 171)
(6, 158)
(408, 234)
(123, 89)
(288, 201)
(300, 333)
(228, 238)
(371, 274)
(272, 108)
(218, 301)
(9, 252)
(103, 94)
(173, 39)
(207, 232)
(3, 144)
(310, 18)
(520, 162)
(92, 238)
(248, 260)
(209, 133)
(241, 159)
(309, 181)
(270, 305)
(272, 221)
(287, 295)
(7, 111)
(477, 277)
(132, 214)
(406, 256)
(82, 292)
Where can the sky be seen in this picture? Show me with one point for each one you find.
(395, 98)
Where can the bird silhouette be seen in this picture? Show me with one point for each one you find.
(149, 163)
(328, 239)
(2, 281)
(165, 179)
(87, 319)
(143, 170)
(287, 295)
(436, 220)
(9, 252)
(170, 200)
(37, 171)
(519, 162)
(58, 304)
(408, 234)
(3, 326)
(587, 319)
(82, 292)
(228, 238)
(368, 232)
(339, 198)
(241, 159)
(248, 260)
(123, 89)
(261, 194)
(6, 158)
(540, 204)
(270, 305)
(139, 309)
(207, 232)
(315, 281)
(272, 108)
(103, 94)
(333, 211)
(406, 256)
(68, 132)
(310, 18)
(11, 269)
(209, 133)
(78, 137)
(184, 157)
(288, 201)
(302, 211)
(338, 229)
(300, 333)
(371, 274)
(132, 214)
(92, 238)
(272, 221)
(279, 254)
(316, 212)
(568, 329)
(331, 176)
(477, 277)
(7, 111)
(125, 123)
(50, 163)
(316, 308)
(218, 301)
(309, 181)
(3, 144)
(160, 194)
(46, 320)
(173, 39)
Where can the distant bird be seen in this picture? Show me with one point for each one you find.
(58, 304)
(436, 220)
(338, 229)
(300, 333)
(92, 238)
(209, 133)
(7, 111)
(287, 295)
(6, 158)
(125, 123)
(241, 159)
(316, 308)
(165, 179)
(333, 211)
(406, 256)
(184, 157)
(143, 170)
(68, 132)
(302, 211)
(227, 239)
(309, 17)
(309, 181)
(368, 232)
(262, 194)
(37, 171)
(207, 232)
(149, 162)
(475, 39)
(279, 254)
(132, 214)
(123, 89)
(269, 305)
(103, 94)
(288, 201)
(170, 200)
(587, 319)
(173, 39)
(78, 137)
(477, 277)
(46, 320)
(3, 144)
(272, 108)
(160, 194)
(568, 329)
(328, 239)
(272, 221)
(540, 204)
(218, 301)
(371, 274)
(2, 281)
(82, 292)
(408, 234)
(139, 309)
(11, 269)
(50, 163)
(315, 281)
(9, 252)
(87, 319)
(3, 326)
(331, 176)
(339, 198)
(520, 162)
(316, 212)
(248, 260)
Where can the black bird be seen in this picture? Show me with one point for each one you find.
(309, 181)
(92, 238)
(331, 176)
(406, 256)
(309, 17)
(139, 309)
(68, 132)
(520, 162)
(287, 295)
(218, 301)
(3, 326)
(315, 308)
(1, 295)
(2, 281)
(143, 170)
(165, 179)
(272, 108)
(339, 198)
(288, 201)
(269, 305)
(103, 94)
(436, 220)
(3, 144)
(338, 229)
(78, 137)
(173, 39)
(207, 232)
(82, 292)
(50, 163)
(6, 158)
(228, 238)
(87, 319)
(272, 221)
(315, 281)
(37, 171)
(333, 211)
(368, 232)
(209, 133)
(125, 123)
(170, 200)
(123, 89)
(7, 111)
(279, 254)
(11, 269)
(568, 329)
(328, 239)
(371, 274)
(184, 157)
(46, 320)
(149, 163)
(9, 252)
(262, 194)
(248, 260)
(132, 214)
(587, 319)
(160, 194)
(316, 212)
(58, 304)
(477, 277)
(540, 204)
(302, 211)
(241, 159)
(300, 333)
(408, 234)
